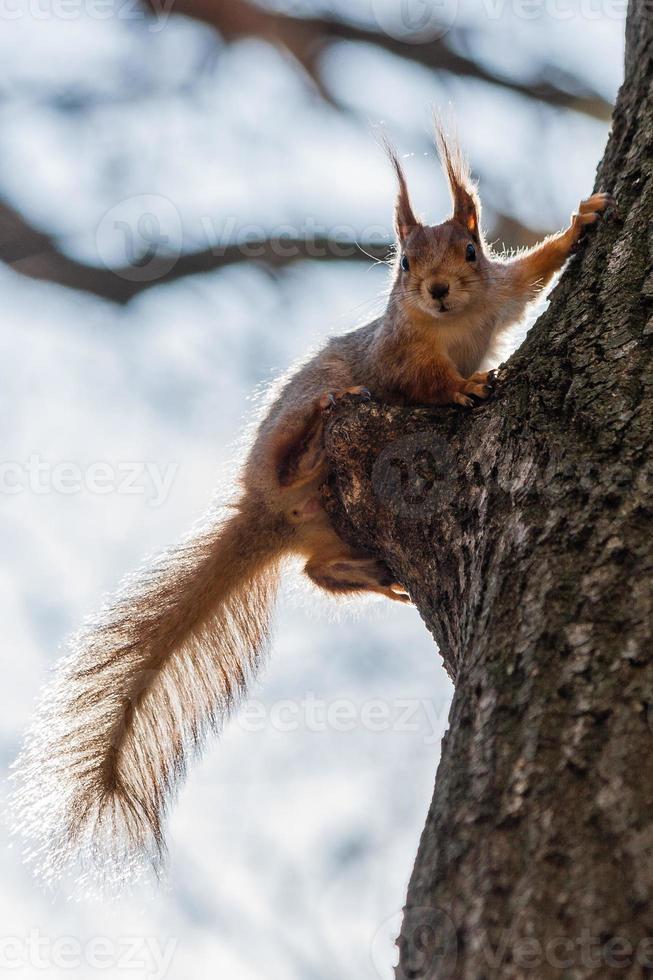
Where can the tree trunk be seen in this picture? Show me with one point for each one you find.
(522, 530)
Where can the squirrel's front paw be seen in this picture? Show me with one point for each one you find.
(481, 385)
(590, 210)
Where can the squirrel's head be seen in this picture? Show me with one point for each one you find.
(441, 269)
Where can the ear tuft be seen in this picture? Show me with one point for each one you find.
(466, 204)
(405, 219)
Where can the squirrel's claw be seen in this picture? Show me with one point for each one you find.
(399, 593)
(331, 398)
(327, 401)
(592, 208)
(463, 400)
(481, 385)
(596, 203)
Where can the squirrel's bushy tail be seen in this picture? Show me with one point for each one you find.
(143, 685)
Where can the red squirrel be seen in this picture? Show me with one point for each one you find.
(168, 657)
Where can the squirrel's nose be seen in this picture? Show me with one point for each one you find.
(439, 290)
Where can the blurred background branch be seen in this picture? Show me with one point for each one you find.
(447, 50)
(36, 255)
(306, 38)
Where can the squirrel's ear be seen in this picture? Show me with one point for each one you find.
(466, 210)
(466, 205)
(405, 219)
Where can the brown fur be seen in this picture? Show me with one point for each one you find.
(169, 656)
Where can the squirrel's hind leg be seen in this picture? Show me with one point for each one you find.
(301, 456)
(333, 565)
(350, 573)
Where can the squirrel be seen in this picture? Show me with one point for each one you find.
(168, 657)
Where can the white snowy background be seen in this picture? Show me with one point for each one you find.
(293, 840)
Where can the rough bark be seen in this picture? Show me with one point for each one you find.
(523, 531)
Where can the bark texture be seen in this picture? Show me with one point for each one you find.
(523, 531)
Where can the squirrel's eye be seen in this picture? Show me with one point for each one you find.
(405, 264)
(470, 254)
